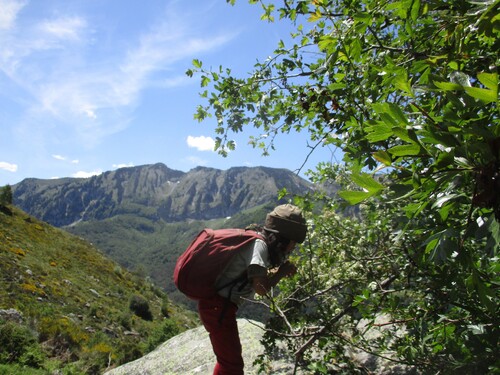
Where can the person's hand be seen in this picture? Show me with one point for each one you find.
(287, 269)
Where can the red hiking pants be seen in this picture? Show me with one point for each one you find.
(223, 333)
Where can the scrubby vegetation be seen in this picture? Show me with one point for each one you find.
(68, 307)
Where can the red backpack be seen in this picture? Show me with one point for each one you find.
(206, 257)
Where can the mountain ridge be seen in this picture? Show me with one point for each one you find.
(155, 191)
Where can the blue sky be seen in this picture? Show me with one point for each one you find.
(88, 86)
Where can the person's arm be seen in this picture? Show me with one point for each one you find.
(262, 284)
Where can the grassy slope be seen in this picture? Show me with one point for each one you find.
(69, 294)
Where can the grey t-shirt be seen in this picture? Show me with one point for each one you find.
(256, 254)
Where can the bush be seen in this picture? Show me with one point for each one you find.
(19, 370)
(97, 353)
(164, 309)
(125, 320)
(6, 195)
(127, 351)
(140, 307)
(64, 333)
(167, 330)
(15, 339)
(34, 357)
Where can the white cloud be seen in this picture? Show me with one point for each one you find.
(123, 165)
(83, 174)
(180, 80)
(64, 158)
(8, 15)
(196, 161)
(90, 113)
(71, 91)
(201, 143)
(65, 28)
(8, 166)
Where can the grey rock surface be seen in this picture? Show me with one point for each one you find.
(191, 353)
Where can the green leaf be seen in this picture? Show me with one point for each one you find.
(443, 199)
(445, 159)
(483, 291)
(327, 43)
(391, 113)
(440, 245)
(397, 114)
(197, 63)
(400, 7)
(379, 132)
(485, 95)
(405, 150)
(489, 80)
(401, 190)
(365, 181)
(489, 230)
(315, 16)
(363, 17)
(431, 244)
(205, 81)
(415, 9)
(413, 209)
(448, 86)
(383, 157)
(403, 134)
(444, 211)
(355, 197)
(402, 83)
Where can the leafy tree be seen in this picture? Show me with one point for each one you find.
(6, 195)
(408, 90)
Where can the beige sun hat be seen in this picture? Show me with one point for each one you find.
(287, 220)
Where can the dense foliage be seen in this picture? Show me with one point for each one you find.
(408, 91)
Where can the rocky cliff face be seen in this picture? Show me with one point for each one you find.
(154, 191)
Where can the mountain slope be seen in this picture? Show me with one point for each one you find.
(81, 309)
(155, 191)
(136, 190)
(144, 217)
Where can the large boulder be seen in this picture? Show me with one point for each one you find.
(191, 353)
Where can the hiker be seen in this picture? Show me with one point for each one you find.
(284, 228)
